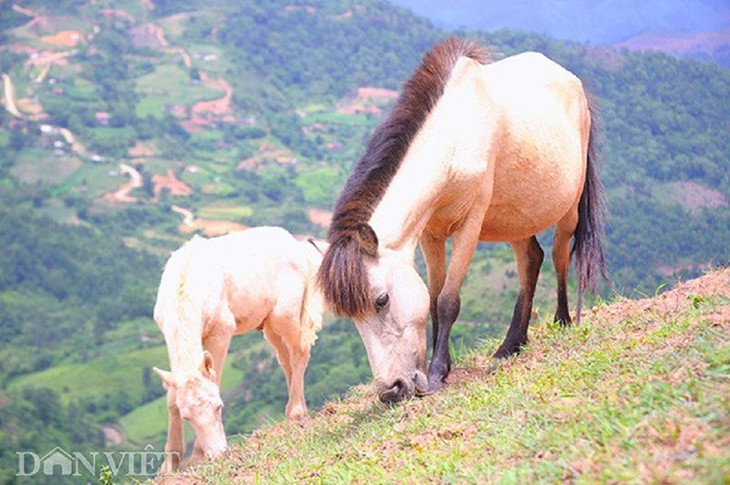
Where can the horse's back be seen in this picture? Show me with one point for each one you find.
(539, 163)
(237, 279)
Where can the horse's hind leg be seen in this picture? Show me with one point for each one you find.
(561, 260)
(529, 256)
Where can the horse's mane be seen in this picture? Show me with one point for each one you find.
(342, 275)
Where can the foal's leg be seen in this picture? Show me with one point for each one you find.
(174, 447)
(282, 354)
(448, 303)
(529, 256)
(285, 336)
(296, 408)
(561, 260)
(217, 344)
(434, 253)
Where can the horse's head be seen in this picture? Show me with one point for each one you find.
(197, 397)
(388, 301)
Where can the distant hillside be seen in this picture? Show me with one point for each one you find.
(696, 28)
(636, 393)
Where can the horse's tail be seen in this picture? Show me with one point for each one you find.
(313, 299)
(587, 246)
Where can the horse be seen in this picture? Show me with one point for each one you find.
(472, 150)
(211, 289)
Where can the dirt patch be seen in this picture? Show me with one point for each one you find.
(367, 100)
(208, 227)
(112, 435)
(122, 193)
(64, 38)
(141, 150)
(111, 13)
(217, 109)
(693, 197)
(171, 183)
(48, 57)
(320, 217)
(267, 153)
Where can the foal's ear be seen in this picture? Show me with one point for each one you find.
(206, 367)
(168, 380)
(368, 240)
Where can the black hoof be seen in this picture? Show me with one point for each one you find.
(435, 384)
(564, 320)
(508, 349)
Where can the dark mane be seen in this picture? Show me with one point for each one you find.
(342, 275)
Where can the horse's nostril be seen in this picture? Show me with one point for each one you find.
(396, 393)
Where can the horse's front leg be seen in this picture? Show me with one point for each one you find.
(175, 446)
(448, 303)
(434, 253)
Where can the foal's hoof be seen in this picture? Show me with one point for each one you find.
(296, 413)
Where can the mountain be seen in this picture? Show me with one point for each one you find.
(129, 126)
(697, 28)
(637, 393)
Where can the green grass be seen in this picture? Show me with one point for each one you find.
(637, 393)
(78, 381)
(235, 213)
(148, 423)
(38, 165)
(168, 85)
(95, 177)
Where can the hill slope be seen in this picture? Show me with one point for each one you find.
(696, 28)
(638, 392)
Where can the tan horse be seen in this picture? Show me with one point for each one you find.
(472, 151)
(212, 289)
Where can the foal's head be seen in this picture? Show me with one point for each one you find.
(388, 301)
(197, 397)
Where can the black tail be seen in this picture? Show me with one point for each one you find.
(591, 214)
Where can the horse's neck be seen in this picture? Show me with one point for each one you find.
(401, 216)
(185, 350)
(449, 152)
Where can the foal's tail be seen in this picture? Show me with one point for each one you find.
(591, 214)
(312, 300)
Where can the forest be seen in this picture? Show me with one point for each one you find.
(255, 107)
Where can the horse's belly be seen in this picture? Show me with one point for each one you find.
(522, 206)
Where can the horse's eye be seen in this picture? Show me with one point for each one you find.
(381, 301)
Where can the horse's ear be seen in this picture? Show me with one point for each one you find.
(168, 380)
(206, 367)
(368, 240)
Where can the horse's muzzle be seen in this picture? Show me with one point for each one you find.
(403, 389)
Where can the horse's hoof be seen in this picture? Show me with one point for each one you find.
(435, 384)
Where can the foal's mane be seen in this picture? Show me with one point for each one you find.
(342, 275)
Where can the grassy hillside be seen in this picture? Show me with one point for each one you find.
(637, 393)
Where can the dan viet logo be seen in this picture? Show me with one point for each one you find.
(64, 463)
